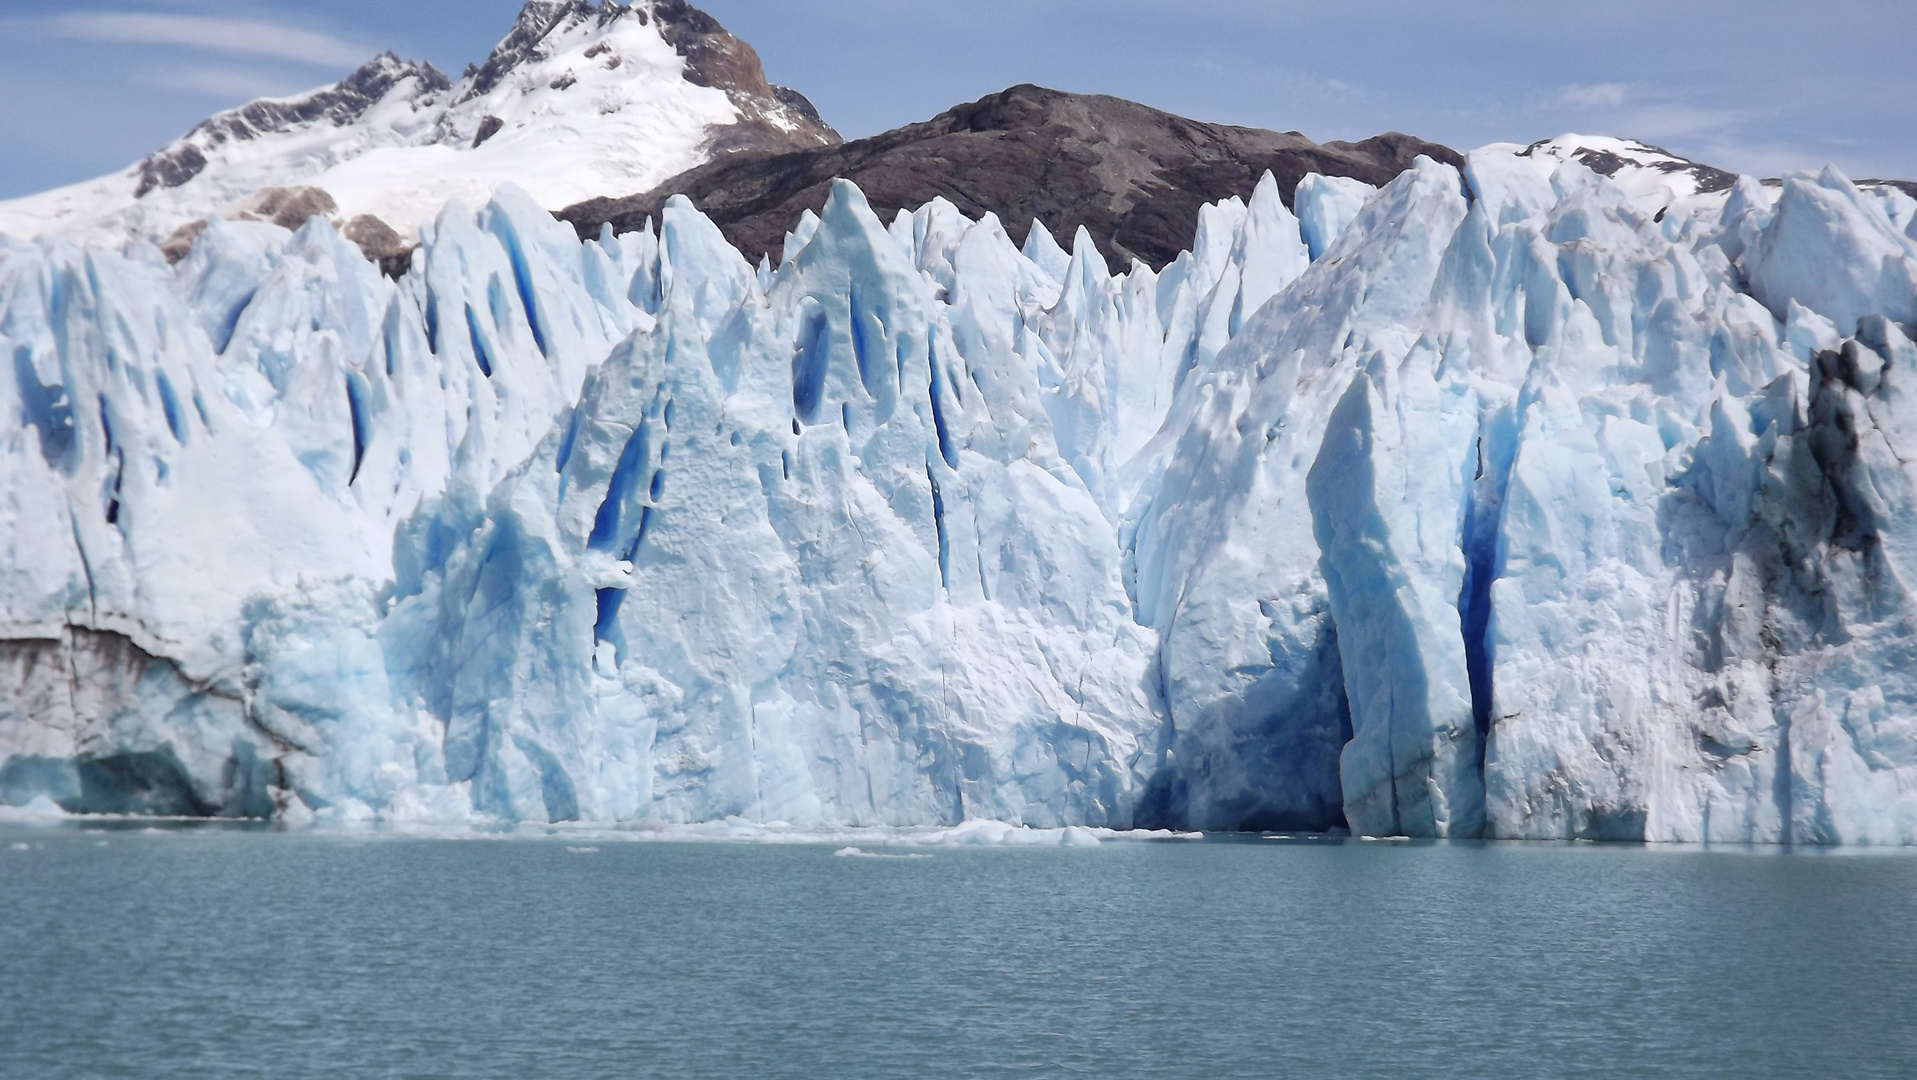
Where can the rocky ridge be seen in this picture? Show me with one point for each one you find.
(1133, 176)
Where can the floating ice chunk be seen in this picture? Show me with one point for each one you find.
(38, 810)
(856, 853)
(981, 832)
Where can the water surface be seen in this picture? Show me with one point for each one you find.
(224, 952)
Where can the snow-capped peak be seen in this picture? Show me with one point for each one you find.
(385, 79)
(1651, 177)
(579, 99)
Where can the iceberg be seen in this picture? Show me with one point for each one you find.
(1488, 503)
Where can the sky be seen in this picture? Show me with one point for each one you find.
(1759, 86)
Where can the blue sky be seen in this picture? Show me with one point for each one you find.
(1761, 86)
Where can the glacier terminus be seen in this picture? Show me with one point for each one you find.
(1511, 500)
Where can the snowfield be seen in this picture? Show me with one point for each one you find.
(580, 99)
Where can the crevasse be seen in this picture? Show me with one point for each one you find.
(1495, 504)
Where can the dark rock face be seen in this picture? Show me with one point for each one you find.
(90, 683)
(1133, 176)
(293, 207)
(287, 207)
(380, 243)
(170, 167)
(802, 107)
(178, 245)
(536, 20)
(1908, 187)
(772, 117)
(488, 127)
(339, 104)
(713, 57)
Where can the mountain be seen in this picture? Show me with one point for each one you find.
(1133, 176)
(1652, 178)
(1649, 174)
(578, 99)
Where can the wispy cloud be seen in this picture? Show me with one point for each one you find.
(247, 37)
(1608, 95)
(1262, 77)
(1677, 120)
(217, 82)
(1728, 137)
(1757, 157)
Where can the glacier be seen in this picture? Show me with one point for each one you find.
(1510, 502)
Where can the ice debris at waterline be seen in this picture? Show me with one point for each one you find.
(1520, 510)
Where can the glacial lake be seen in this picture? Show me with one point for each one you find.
(232, 952)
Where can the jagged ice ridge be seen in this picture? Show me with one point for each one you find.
(1484, 504)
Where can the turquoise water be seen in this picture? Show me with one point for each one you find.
(221, 952)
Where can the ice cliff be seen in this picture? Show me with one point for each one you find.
(1495, 502)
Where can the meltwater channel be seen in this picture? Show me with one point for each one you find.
(229, 952)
